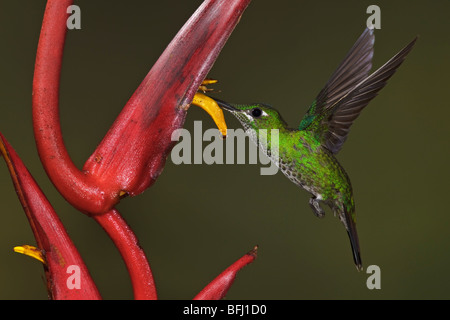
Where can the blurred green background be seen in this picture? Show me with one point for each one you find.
(198, 219)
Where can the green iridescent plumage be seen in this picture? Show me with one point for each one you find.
(307, 155)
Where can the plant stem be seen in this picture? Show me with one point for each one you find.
(132, 253)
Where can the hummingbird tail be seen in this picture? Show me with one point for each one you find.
(355, 247)
(348, 220)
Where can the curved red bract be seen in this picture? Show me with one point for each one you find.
(51, 236)
(133, 152)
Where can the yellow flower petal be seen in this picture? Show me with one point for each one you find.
(213, 109)
(31, 251)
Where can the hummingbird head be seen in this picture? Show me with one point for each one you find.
(255, 116)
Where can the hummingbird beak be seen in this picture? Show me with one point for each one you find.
(226, 106)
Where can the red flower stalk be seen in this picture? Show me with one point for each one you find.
(132, 254)
(60, 254)
(218, 288)
(133, 153)
(78, 187)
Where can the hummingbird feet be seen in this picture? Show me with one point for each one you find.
(318, 211)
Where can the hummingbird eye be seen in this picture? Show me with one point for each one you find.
(256, 112)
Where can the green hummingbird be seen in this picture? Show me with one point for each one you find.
(306, 155)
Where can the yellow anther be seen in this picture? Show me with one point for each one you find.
(31, 251)
(205, 83)
(122, 194)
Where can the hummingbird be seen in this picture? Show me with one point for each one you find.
(307, 154)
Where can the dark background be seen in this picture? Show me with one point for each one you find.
(197, 219)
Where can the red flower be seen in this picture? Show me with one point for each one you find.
(131, 155)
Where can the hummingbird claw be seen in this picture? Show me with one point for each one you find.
(318, 211)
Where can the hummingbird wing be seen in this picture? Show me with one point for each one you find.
(333, 124)
(352, 70)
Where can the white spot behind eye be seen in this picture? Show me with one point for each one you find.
(249, 117)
